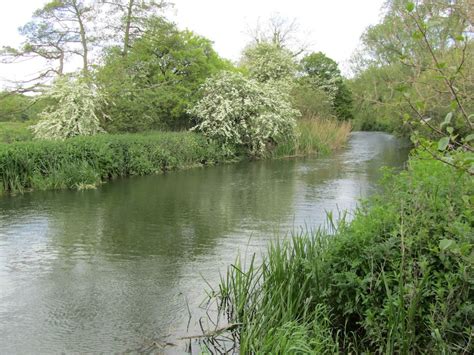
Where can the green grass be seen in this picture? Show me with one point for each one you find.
(85, 162)
(11, 132)
(397, 279)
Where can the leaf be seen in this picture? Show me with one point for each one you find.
(449, 130)
(443, 143)
(469, 138)
(410, 6)
(447, 119)
(447, 244)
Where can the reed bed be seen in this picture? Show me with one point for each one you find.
(85, 162)
(315, 136)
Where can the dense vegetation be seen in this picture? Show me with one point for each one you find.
(412, 65)
(84, 162)
(397, 279)
(148, 75)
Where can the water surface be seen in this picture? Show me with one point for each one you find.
(113, 269)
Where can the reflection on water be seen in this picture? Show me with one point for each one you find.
(111, 269)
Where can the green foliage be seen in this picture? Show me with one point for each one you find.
(154, 85)
(311, 101)
(18, 107)
(415, 67)
(15, 132)
(87, 161)
(322, 73)
(397, 279)
(75, 112)
(239, 112)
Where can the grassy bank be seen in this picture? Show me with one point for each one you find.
(85, 162)
(397, 279)
(11, 132)
(88, 161)
(315, 136)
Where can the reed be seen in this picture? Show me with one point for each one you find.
(85, 162)
(315, 136)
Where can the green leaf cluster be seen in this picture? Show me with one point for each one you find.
(158, 81)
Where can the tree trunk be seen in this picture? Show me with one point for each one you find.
(82, 34)
(128, 21)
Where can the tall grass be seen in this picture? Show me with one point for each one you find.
(84, 162)
(315, 136)
(397, 279)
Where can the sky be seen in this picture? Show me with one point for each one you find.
(331, 26)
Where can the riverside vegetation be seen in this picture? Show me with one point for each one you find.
(85, 162)
(397, 279)
(126, 114)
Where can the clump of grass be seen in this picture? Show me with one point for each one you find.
(88, 161)
(315, 136)
(397, 279)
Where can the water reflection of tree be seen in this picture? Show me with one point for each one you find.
(179, 214)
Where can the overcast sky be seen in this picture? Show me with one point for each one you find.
(331, 26)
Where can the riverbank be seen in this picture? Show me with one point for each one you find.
(86, 162)
(397, 279)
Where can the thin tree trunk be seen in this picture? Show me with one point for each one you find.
(82, 34)
(128, 21)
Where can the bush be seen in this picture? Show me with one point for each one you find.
(398, 279)
(87, 161)
(236, 111)
(75, 112)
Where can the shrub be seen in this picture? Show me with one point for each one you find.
(75, 112)
(235, 111)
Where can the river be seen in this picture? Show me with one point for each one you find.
(114, 269)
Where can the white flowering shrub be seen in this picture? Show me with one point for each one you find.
(75, 112)
(237, 111)
(267, 62)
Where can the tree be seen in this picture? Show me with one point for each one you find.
(267, 62)
(76, 111)
(127, 18)
(57, 31)
(282, 32)
(428, 78)
(154, 85)
(241, 112)
(321, 72)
